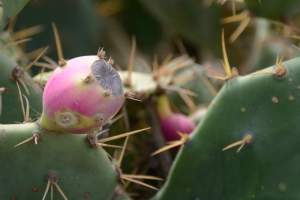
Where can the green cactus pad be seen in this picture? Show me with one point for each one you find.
(11, 103)
(261, 106)
(82, 172)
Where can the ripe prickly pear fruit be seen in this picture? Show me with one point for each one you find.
(82, 95)
(171, 123)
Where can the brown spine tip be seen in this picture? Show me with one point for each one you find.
(235, 72)
(62, 62)
(246, 140)
(91, 139)
(34, 189)
(101, 53)
(107, 93)
(36, 138)
(88, 79)
(52, 176)
(275, 99)
(17, 73)
(279, 70)
(2, 89)
(110, 61)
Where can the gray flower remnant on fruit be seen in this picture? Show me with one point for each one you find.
(107, 77)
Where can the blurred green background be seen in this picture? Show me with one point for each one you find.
(160, 27)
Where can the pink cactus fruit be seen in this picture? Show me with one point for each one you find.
(171, 123)
(82, 96)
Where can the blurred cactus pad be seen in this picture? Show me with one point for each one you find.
(149, 100)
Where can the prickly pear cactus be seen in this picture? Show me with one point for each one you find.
(38, 165)
(246, 147)
(21, 98)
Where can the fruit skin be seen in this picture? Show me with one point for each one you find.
(262, 105)
(82, 172)
(176, 123)
(82, 95)
(171, 123)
